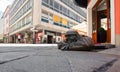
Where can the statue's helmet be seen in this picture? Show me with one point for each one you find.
(73, 32)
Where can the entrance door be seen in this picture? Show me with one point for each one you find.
(49, 39)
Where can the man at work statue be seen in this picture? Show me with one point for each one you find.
(74, 41)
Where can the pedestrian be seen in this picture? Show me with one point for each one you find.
(19, 38)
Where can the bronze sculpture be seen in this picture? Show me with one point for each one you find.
(74, 41)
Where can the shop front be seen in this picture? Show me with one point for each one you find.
(49, 37)
(99, 21)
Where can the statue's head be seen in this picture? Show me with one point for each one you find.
(71, 36)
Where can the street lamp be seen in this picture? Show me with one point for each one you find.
(33, 29)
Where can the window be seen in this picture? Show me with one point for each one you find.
(44, 13)
(71, 14)
(18, 25)
(21, 12)
(71, 24)
(66, 12)
(30, 18)
(44, 19)
(24, 8)
(61, 8)
(30, 3)
(51, 18)
(27, 19)
(79, 19)
(56, 6)
(45, 16)
(51, 4)
(28, 6)
(45, 2)
(56, 18)
(60, 21)
(64, 22)
(23, 21)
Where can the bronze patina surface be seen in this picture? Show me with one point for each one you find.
(75, 41)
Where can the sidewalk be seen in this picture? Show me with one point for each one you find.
(112, 51)
(115, 52)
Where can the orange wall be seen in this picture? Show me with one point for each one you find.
(117, 16)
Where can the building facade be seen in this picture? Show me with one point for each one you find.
(104, 14)
(42, 21)
(6, 25)
(2, 22)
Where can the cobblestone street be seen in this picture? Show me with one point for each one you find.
(49, 59)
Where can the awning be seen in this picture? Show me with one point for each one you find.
(81, 28)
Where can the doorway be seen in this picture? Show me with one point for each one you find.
(102, 26)
(49, 39)
(101, 32)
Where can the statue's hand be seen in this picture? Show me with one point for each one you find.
(65, 46)
(71, 45)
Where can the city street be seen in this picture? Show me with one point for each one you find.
(47, 58)
(53, 36)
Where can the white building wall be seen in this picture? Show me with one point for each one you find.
(89, 16)
(36, 12)
(89, 26)
(112, 13)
